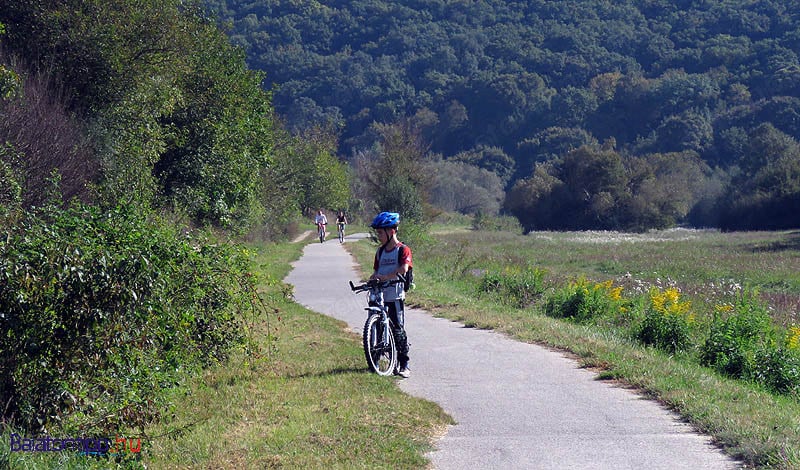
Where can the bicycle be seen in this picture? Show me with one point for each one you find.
(378, 339)
(321, 232)
(341, 233)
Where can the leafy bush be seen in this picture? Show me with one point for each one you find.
(100, 310)
(746, 345)
(9, 79)
(734, 338)
(583, 301)
(400, 195)
(778, 368)
(514, 286)
(668, 321)
(414, 234)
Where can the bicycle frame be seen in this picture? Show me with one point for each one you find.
(321, 231)
(377, 307)
(375, 353)
(375, 302)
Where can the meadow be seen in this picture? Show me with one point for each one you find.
(703, 321)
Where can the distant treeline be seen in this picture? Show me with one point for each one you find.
(706, 89)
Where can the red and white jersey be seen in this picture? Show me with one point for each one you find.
(387, 262)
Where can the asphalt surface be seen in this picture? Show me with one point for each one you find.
(517, 405)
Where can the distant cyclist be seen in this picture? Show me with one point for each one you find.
(341, 221)
(391, 259)
(321, 222)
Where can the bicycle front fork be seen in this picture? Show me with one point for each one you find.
(386, 329)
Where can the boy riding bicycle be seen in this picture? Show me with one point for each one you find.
(391, 259)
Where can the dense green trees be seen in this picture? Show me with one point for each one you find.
(653, 77)
(370, 53)
(308, 177)
(193, 131)
(766, 193)
(595, 187)
(164, 123)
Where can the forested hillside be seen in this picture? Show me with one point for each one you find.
(687, 110)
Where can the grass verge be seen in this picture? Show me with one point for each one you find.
(305, 401)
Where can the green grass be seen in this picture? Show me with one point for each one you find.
(749, 423)
(306, 401)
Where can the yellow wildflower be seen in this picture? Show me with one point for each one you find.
(604, 285)
(657, 300)
(672, 295)
(668, 303)
(794, 337)
(615, 293)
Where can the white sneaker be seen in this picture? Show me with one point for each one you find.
(404, 372)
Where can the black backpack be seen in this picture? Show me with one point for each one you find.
(409, 284)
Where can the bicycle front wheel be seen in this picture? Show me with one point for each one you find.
(381, 355)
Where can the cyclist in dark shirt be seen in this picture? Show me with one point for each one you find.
(341, 221)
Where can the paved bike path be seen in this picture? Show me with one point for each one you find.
(517, 405)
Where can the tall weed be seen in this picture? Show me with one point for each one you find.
(744, 343)
(504, 223)
(583, 301)
(513, 286)
(737, 331)
(668, 321)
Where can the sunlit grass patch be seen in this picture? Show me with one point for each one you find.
(307, 402)
(513, 285)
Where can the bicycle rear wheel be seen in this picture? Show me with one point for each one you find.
(381, 355)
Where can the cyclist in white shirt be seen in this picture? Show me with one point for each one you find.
(321, 219)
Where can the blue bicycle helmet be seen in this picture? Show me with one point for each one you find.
(386, 220)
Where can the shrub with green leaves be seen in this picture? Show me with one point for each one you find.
(10, 184)
(737, 331)
(744, 343)
(514, 286)
(101, 310)
(778, 368)
(668, 321)
(9, 79)
(583, 301)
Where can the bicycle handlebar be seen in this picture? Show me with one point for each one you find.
(374, 283)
